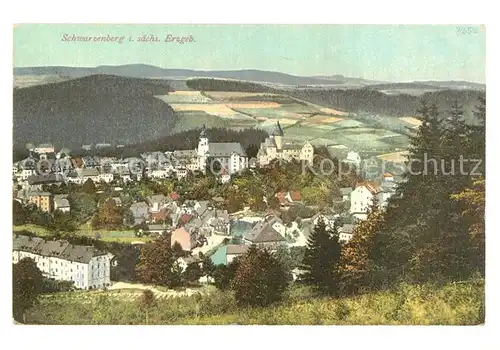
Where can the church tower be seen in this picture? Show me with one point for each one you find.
(203, 149)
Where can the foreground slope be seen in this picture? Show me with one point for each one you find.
(451, 304)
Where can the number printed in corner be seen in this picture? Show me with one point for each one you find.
(467, 30)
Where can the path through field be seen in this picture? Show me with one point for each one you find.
(158, 293)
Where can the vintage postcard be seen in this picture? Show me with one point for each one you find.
(248, 174)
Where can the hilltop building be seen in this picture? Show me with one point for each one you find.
(274, 147)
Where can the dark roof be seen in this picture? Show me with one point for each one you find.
(345, 191)
(79, 253)
(60, 249)
(39, 193)
(263, 232)
(45, 179)
(90, 172)
(237, 248)
(292, 146)
(225, 149)
(347, 228)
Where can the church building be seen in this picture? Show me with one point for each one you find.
(230, 155)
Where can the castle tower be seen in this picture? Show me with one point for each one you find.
(278, 134)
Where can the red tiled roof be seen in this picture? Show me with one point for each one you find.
(387, 175)
(185, 218)
(159, 215)
(370, 186)
(174, 196)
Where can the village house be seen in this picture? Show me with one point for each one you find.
(274, 147)
(224, 176)
(287, 199)
(186, 236)
(90, 174)
(105, 177)
(43, 200)
(44, 148)
(346, 232)
(157, 228)
(268, 233)
(362, 198)
(354, 158)
(140, 212)
(328, 219)
(227, 253)
(85, 266)
(345, 193)
(61, 203)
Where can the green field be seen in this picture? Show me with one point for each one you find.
(125, 236)
(452, 304)
(302, 121)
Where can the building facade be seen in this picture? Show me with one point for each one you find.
(85, 266)
(274, 147)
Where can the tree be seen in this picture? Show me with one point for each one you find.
(156, 262)
(83, 206)
(109, 216)
(62, 222)
(207, 267)
(146, 301)
(27, 281)
(260, 279)
(192, 273)
(283, 256)
(356, 254)
(19, 215)
(223, 275)
(89, 187)
(321, 259)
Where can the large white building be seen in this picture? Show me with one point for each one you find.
(274, 147)
(362, 197)
(86, 267)
(230, 155)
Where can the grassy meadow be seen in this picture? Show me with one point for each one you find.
(301, 120)
(451, 304)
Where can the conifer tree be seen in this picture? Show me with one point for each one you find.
(260, 279)
(321, 259)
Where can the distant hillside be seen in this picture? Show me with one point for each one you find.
(93, 109)
(368, 100)
(250, 139)
(226, 85)
(148, 71)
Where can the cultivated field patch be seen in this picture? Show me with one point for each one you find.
(396, 157)
(184, 97)
(223, 95)
(332, 111)
(411, 120)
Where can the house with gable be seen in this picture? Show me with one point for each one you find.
(363, 197)
(268, 233)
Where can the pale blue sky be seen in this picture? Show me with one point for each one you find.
(392, 53)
